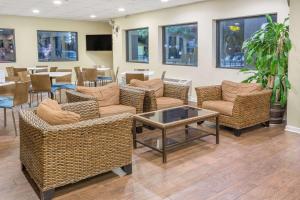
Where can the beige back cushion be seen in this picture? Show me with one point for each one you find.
(106, 95)
(230, 89)
(54, 115)
(154, 84)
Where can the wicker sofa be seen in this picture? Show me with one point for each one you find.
(173, 95)
(130, 99)
(55, 156)
(247, 108)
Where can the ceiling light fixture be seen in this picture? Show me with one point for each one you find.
(164, 1)
(35, 11)
(121, 9)
(93, 16)
(57, 2)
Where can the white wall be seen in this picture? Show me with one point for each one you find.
(26, 40)
(293, 113)
(205, 14)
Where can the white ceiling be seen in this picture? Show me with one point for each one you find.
(82, 9)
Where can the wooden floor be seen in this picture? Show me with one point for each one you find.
(263, 163)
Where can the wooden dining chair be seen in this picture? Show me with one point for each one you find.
(24, 76)
(20, 97)
(11, 74)
(143, 70)
(130, 76)
(40, 84)
(16, 70)
(53, 69)
(64, 83)
(90, 76)
(79, 76)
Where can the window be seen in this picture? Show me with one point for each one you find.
(57, 46)
(231, 34)
(137, 49)
(7, 45)
(180, 44)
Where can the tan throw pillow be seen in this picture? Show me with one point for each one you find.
(229, 90)
(106, 95)
(56, 116)
(154, 84)
(51, 104)
(248, 88)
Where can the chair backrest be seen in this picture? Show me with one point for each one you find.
(40, 69)
(10, 71)
(40, 82)
(21, 93)
(79, 76)
(16, 70)
(89, 74)
(163, 75)
(130, 76)
(24, 76)
(64, 79)
(41, 66)
(53, 69)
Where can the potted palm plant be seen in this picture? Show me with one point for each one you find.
(268, 51)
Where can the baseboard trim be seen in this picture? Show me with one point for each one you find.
(293, 129)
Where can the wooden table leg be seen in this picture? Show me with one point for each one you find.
(217, 130)
(164, 146)
(134, 133)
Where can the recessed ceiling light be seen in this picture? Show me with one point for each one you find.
(93, 16)
(36, 11)
(164, 1)
(57, 2)
(121, 9)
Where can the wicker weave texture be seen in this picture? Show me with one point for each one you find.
(248, 110)
(58, 155)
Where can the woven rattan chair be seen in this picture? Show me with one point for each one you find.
(248, 109)
(16, 70)
(171, 91)
(24, 76)
(138, 76)
(11, 75)
(20, 97)
(56, 156)
(41, 84)
(90, 75)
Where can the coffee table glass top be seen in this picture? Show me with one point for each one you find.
(177, 114)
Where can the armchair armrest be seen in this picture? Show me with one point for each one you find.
(252, 107)
(73, 96)
(86, 109)
(208, 93)
(176, 91)
(132, 97)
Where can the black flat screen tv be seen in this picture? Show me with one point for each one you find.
(99, 42)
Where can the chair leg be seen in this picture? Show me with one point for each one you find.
(14, 121)
(30, 98)
(37, 99)
(237, 132)
(4, 117)
(127, 169)
(47, 195)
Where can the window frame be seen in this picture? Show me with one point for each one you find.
(44, 61)
(218, 37)
(164, 39)
(127, 46)
(15, 48)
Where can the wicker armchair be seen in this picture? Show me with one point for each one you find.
(128, 97)
(55, 156)
(247, 109)
(173, 91)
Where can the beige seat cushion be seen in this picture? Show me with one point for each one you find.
(55, 115)
(115, 110)
(51, 104)
(106, 95)
(230, 89)
(168, 102)
(155, 84)
(223, 107)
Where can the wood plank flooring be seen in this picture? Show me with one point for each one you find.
(264, 163)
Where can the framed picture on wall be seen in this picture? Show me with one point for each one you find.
(56, 46)
(7, 45)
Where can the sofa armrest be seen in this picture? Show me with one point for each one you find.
(176, 91)
(254, 106)
(208, 93)
(132, 97)
(86, 109)
(73, 96)
(58, 155)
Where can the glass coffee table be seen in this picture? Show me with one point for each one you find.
(167, 119)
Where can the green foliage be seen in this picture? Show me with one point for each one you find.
(268, 51)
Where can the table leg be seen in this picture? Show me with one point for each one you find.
(134, 133)
(217, 130)
(164, 146)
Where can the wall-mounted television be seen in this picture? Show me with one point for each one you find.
(99, 42)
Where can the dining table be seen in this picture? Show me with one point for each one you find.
(34, 69)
